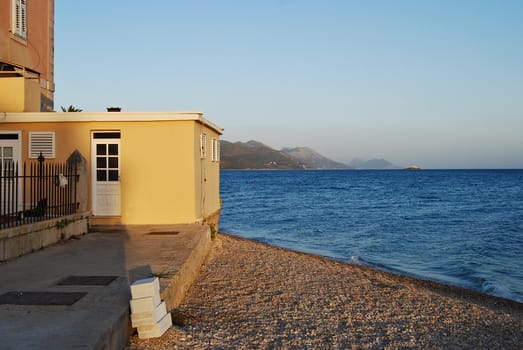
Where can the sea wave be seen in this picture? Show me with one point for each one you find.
(498, 290)
(356, 260)
(455, 227)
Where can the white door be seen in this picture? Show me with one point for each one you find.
(10, 155)
(105, 154)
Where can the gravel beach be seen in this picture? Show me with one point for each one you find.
(251, 295)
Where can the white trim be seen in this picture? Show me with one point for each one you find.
(106, 117)
(42, 141)
(96, 211)
(19, 133)
(17, 157)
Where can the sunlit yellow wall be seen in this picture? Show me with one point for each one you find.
(12, 94)
(160, 167)
(66, 136)
(18, 94)
(157, 172)
(207, 179)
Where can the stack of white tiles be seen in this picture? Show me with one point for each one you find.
(148, 311)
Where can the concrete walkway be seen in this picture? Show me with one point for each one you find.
(100, 319)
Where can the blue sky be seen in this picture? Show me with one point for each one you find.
(434, 83)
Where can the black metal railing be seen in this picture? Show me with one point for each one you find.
(36, 192)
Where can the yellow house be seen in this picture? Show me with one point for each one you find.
(143, 168)
(26, 55)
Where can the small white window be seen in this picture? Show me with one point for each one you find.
(19, 18)
(43, 142)
(215, 150)
(203, 145)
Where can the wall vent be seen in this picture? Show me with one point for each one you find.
(42, 142)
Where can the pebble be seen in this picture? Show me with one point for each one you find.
(250, 295)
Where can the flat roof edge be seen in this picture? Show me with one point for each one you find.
(64, 117)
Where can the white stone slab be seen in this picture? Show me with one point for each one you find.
(147, 287)
(147, 304)
(149, 318)
(157, 330)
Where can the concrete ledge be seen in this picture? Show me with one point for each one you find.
(173, 289)
(213, 219)
(117, 336)
(21, 240)
(175, 253)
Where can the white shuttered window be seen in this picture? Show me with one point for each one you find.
(203, 145)
(19, 18)
(42, 142)
(215, 150)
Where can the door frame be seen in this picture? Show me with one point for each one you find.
(95, 141)
(17, 158)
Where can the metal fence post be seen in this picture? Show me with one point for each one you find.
(41, 159)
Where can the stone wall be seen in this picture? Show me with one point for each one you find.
(18, 241)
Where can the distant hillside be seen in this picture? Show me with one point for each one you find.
(372, 164)
(313, 159)
(256, 155)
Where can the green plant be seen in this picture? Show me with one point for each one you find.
(213, 230)
(62, 223)
(71, 108)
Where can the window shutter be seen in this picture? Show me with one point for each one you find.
(203, 145)
(23, 18)
(20, 18)
(215, 153)
(42, 142)
(16, 17)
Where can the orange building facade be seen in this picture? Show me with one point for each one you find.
(26, 55)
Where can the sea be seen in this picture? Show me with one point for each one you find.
(457, 227)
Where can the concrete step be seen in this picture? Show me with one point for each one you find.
(100, 319)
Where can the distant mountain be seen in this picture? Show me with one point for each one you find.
(313, 159)
(372, 164)
(256, 155)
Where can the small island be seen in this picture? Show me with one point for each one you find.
(413, 167)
